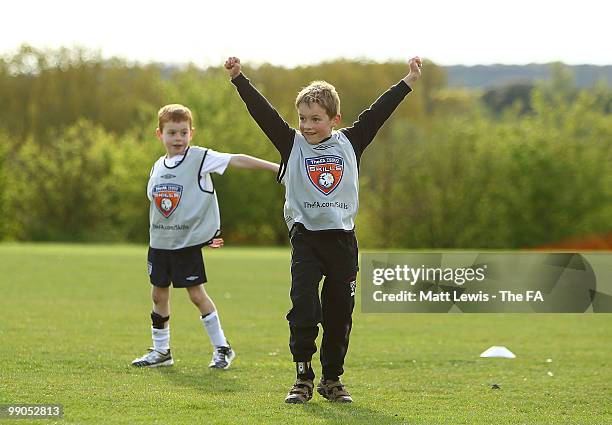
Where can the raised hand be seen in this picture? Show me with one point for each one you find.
(232, 64)
(415, 64)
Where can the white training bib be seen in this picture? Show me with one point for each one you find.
(321, 184)
(184, 210)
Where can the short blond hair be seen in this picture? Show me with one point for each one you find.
(323, 94)
(175, 113)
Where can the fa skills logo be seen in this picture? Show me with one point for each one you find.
(167, 197)
(325, 172)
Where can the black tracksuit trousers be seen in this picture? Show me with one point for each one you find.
(332, 254)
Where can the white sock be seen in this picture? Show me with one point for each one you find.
(161, 339)
(213, 328)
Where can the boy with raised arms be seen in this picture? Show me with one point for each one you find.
(320, 170)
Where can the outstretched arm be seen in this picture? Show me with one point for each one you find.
(247, 161)
(362, 132)
(268, 119)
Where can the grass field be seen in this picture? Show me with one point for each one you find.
(74, 316)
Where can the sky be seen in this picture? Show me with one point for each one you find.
(292, 33)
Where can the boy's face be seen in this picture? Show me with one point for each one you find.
(175, 136)
(315, 124)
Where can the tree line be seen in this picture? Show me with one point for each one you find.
(452, 168)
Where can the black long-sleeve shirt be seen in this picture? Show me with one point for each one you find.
(360, 134)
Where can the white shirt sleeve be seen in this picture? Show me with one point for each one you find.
(215, 162)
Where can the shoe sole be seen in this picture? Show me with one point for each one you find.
(324, 394)
(295, 401)
(165, 363)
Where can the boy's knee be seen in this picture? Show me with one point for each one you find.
(197, 295)
(160, 296)
(306, 318)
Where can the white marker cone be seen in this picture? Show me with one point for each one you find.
(498, 351)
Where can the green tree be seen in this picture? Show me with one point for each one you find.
(5, 207)
(43, 89)
(63, 190)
